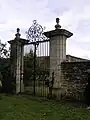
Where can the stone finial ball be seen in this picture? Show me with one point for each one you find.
(57, 20)
(18, 30)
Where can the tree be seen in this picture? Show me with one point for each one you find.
(28, 66)
(5, 66)
(41, 72)
(4, 51)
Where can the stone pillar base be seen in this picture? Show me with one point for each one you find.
(58, 93)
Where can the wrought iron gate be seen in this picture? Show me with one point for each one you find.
(38, 48)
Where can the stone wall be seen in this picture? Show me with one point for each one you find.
(75, 78)
(45, 60)
(71, 58)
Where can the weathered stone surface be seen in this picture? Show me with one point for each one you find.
(17, 47)
(75, 78)
(57, 55)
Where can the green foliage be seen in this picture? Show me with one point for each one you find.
(4, 66)
(41, 72)
(1, 77)
(4, 51)
(28, 66)
(4, 60)
(5, 71)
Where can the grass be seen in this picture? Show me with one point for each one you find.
(20, 108)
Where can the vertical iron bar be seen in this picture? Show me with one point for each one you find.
(40, 68)
(45, 88)
(34, 66)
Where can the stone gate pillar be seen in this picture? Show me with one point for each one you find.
(57, 54)
(16, 57)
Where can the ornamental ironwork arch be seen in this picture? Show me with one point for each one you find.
(35, 36)
(35, 33)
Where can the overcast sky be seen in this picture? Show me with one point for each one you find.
(74, 16)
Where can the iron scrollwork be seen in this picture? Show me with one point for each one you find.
(35, 32)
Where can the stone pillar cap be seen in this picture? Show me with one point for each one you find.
(18, 39)
(58, 31)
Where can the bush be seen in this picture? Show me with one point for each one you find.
(1, 77)
(1, 80)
